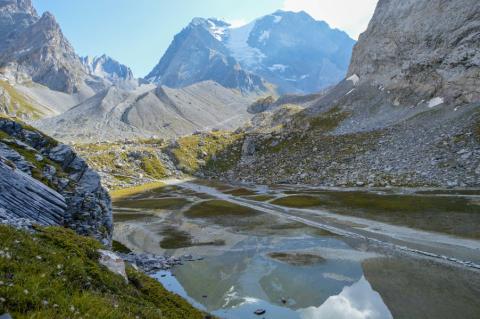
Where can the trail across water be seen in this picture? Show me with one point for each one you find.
(465, 252)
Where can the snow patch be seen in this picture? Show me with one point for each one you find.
(277, 19)
(264, 36)
(237, 44)
(217, 31)
(354, 78)
(435, 101)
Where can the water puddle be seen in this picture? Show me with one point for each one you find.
(261, 251)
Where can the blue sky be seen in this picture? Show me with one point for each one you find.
(137, 32)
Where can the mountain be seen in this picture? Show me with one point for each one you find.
(437, 55)
(197, 54)
(148, 111)
(109, 69)
(407, 114)
(290, 50)
(34, 48)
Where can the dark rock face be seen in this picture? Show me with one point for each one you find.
(197, 54)
(58, 189)
(422, 48)
(22, 196)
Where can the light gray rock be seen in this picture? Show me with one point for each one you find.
(113, 262)
(425, 48)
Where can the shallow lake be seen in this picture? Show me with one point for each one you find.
(308, 253)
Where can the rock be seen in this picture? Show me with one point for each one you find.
(260, 312)
(6, 316)
(113, 262)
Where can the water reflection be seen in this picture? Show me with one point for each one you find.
(358, 301)
(246, 278)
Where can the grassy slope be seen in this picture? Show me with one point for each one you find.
(19, 105)
(55, 274)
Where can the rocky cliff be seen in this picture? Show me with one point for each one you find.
(45, 182)
(422, 50)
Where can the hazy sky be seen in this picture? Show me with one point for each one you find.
(137, 32)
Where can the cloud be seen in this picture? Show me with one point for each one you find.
(236, 23)
(351, 16)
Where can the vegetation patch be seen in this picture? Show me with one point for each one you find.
(216, 151)
(153, 167)
(19, 105)
(157, 203)
(176, 239)
(132, 191)
(297, 259)
(240, 192)
(119, 247)
(218, 208)
(298, 201)
(329, 120)
(56, 274)
(261, 198)
(452, 215)
(133, 216)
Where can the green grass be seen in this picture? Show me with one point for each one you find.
(190, 150)
(261, 198)
(176, 239)
(55, 274)
(132, 191)
(218, 208)
(157, 203)
(240, 192)
(153, 167)
(297, 259)
(298, 201)
(457, 216)
(119, 247)
(19, 105)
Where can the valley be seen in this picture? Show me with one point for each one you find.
(270, 167)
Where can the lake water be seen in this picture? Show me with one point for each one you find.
(299, 252)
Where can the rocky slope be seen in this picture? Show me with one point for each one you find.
(408, 113)
(290, 50)
(45, 182)
(150, 111)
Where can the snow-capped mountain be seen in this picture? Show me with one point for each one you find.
(198, 54)
(293, 51)
(108, 69)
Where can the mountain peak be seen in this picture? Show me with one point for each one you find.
(107, 68)
(17, 6)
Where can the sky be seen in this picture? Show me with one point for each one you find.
(137, 32)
